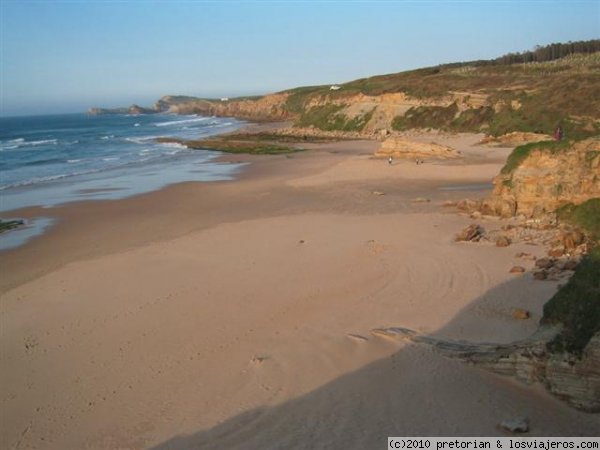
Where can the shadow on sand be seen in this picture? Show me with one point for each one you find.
(414, 392)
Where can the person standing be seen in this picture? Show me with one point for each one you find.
(558, 134)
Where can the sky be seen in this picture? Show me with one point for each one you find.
(65, 56)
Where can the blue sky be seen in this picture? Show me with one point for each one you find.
(64, 56)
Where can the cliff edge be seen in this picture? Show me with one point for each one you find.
(539, 178)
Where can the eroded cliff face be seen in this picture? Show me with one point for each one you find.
(547, 179)
(381, 108)
(269, 107)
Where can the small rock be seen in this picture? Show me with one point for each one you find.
(258, 359)
(449, 203)
(502, 241)
(516, 425)
(525, 255)
(556, 252)
(570, 264)
(572, 239)
(476, 215)
(466, 205)
(473, 232)
(540, 275)
(301, 241)
(521, 314)
(420, 200)
(517, 269)
(378, 193)
(544, 263)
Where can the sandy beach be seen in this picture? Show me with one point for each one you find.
(237, 314)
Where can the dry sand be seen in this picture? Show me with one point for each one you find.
(237, 314)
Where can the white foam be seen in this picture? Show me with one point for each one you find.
(177, 122)
(42, 142)
(112, 158)
(45, 179)
(71, 161)
(105, 138)
(174, 145)
(140, 140)
(20, 142)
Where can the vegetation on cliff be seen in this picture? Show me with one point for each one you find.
(519, 154)
(329, 118)
(534, 91)
(577, 304)
(585, 215)
(577, 307)
(535, 95)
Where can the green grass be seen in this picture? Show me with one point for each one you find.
(266, 136)
(563, 92)
(585, 215)
(6, 225)
(426, 117)
(577, 306)
(329, 118)
(520, 153)
(234, 144)
(249, 147)
(474, 119)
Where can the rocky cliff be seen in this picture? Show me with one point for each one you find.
(540, 177)
(571, 378)
(269, 107)
(466, 97)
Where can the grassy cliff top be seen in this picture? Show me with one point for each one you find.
(570, 83)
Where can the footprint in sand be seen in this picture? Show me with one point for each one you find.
(258, 360)
(375, 248)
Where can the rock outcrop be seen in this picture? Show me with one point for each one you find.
(575, 380)
(399, 147)
(547, 178)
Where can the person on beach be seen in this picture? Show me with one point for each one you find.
(558, 134)
(390, 160)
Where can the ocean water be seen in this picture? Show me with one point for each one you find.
(49, 160)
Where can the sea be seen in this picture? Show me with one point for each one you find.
(51, 160)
